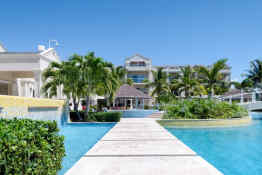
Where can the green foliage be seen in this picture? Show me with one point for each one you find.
(108, 116)
(96, 116)
(186, 83)
(30, 147)
(159, 84)
(130, 82)
(83, 76)
(146, 107)
(254, 74)
(203, 109)
(212, 77)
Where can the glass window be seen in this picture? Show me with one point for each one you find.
(137, 78)
(139, 63)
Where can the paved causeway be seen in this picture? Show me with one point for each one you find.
(140, 146)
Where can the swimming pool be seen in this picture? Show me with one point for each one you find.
(136, 113)
(233, 151)
(79, 138)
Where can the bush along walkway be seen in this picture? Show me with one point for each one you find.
(138, 146)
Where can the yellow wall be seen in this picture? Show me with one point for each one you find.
(14, 101)
(14, 106)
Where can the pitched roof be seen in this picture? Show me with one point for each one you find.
(9, 57)
(138, 55)
(126, 91)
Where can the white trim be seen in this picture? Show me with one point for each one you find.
(4, 81)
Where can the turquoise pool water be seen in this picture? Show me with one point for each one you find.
(137, 113)
(79, 138)
(233, 151)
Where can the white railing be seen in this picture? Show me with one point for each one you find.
(249, 100)
(245, 97)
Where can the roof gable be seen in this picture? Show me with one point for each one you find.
(138, 57)
(126, 91)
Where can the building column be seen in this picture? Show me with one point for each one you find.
(131, 103)
(38, 83)
(241, 97)
(14, 88)
(9, 88)
(19, 88)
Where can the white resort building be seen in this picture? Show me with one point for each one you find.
(20, 72)
(139, 68)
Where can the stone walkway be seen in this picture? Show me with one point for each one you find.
(140, 146)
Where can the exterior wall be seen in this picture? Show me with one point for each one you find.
(17, 67)
(2, 49)
(137, 68)
(33, 108)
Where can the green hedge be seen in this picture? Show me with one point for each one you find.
(96, 116)
(203, 109)
(30, 147)
(107, 116)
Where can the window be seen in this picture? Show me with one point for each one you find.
(137, 78)
(139, 64)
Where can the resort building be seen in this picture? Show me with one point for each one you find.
(139, 68)
(21, 72)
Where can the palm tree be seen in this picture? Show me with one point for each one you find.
(212, 77)
(186, 82)
(159, 83)
(91, 70)
(255, 73)
(130, 82)
(66, 75)
(112, 79)
(243, 85)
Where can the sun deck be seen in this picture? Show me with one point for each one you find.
(138, 146)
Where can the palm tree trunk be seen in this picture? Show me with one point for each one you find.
(211, 93)
(87, 103)
(75, 105)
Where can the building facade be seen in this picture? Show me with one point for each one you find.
(139, 68)
(21, 72)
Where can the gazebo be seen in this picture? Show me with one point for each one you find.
(129, 97)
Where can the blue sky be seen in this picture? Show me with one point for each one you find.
(167, 31)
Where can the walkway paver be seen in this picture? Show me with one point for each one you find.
(140, 146)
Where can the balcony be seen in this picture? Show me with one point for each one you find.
(137, 68)
(139, 78)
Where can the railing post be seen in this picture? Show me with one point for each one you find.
(230, 99)
(253, 97)
(241, 97)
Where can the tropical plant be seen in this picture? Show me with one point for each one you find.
(64, 75)
(203, 109)
(159, 83)
(30, 147)
(212, 78)
(130, 82)
(187, 83)
(91, 70)
(254, 74)
(243, 85)
(112, 79)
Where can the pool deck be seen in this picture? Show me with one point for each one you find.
(140, 146)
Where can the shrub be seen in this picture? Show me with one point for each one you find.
(74, 117)
(146, 107)
(96, 117)
(107, 116)
(203, 109)
(30, 147)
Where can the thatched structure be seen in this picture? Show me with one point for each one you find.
(130, 97)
